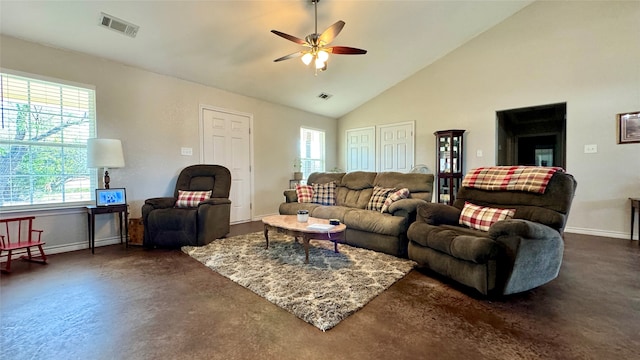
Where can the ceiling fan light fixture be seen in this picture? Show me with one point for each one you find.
(316, 44)
(306, 58)
(323, 55)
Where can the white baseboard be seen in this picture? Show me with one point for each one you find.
(596, 232)
(259, 217)
(82, 245)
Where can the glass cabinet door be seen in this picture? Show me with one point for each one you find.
(449, 154)
(444, 154)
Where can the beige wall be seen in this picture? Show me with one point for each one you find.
(586, 54)
(154, 116)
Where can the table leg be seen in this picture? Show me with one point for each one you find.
(633, 218)
(266, 235)
(126, 229)
(89, 228)
(335, 241)
(120, 225)
(305, 241)
(93, 233)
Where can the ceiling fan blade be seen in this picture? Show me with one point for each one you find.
(345, 50)
(289, 37)
(331, 33)
(290, 56)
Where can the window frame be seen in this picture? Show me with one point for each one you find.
(85, 197)
(307, 170)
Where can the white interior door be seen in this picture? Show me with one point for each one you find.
(361, 149)
(226, 141)
(395, 147)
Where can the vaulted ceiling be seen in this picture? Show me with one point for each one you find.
(228, 44)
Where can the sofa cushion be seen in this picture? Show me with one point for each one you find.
(462, 243)
(304, 193)
(324, 194)
(378, 198)
(359, 180)
(420, 185)
(293, 207)
(330, 212)
(393, 197)
(187, 199)
(375, 222)
(325, 177)
(481, 218)
(357, 199)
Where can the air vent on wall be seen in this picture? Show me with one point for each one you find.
(324, 96)
(119, 25)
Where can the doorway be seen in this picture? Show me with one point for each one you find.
(226, 140)
(533, 136)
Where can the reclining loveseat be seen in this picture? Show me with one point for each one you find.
(503, 234)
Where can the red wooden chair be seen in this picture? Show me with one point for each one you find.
(17, 234)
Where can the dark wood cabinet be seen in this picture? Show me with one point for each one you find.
(449, 164)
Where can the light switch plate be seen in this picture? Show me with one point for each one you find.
(186, 151)
(591, 149)
(478, 153)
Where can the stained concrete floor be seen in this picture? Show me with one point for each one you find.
(161, 304)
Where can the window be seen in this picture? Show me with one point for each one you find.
(43, 142)
(311, 151)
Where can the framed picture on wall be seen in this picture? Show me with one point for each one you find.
(628, 127)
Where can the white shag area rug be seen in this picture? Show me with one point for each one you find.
(324, 292)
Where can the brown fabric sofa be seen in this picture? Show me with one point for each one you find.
(384, 232)
(515, 255)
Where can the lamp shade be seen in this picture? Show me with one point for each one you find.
(104, 153)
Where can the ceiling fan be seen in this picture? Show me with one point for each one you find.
(316, 44)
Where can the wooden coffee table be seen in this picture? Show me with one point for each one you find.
(288, 224)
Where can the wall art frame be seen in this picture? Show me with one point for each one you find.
(628, 125)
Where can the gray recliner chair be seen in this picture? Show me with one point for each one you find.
(166, 225)
(514, 255)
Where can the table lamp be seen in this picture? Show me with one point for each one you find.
(104, 153)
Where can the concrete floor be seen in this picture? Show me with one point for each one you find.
(161, 304)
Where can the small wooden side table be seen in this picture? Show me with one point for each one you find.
(635, 204)
(92, 211)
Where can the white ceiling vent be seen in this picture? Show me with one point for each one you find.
(119, 25)
(324, 96)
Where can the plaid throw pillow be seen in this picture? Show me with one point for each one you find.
(481, 218)
(393, 197)
(304, 193)
(378, 198)
(191, 198)
(324, 194)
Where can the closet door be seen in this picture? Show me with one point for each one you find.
(361, 149)
(396, 147)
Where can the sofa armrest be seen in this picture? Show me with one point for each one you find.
(438, 214)
(161, 202)
(290, 196)
(523, 228)
(215, 201)
(405, 205)
(531, 252)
